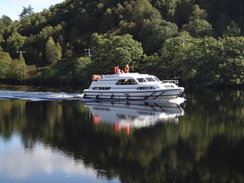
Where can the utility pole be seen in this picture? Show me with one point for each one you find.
(21, 57)
(89, 52)
(20, 52)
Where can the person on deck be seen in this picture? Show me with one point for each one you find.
(127, 68)
(116, 69)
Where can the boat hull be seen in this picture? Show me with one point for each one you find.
(135, 95)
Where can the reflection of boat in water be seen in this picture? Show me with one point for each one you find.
(134, 113)
(132, 86)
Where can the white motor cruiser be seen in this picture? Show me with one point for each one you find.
(132, 86)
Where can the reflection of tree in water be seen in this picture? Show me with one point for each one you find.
(198, 149)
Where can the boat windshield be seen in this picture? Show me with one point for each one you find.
(156, 79)
(141, 80)
(150, 79)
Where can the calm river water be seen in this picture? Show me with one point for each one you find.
(51, 136)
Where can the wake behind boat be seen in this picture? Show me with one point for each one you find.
(132, 86)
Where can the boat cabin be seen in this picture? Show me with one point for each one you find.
(146, 82)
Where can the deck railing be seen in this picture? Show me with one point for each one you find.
(171, 81)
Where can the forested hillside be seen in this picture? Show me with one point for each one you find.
(200, 42)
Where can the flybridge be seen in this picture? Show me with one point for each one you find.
(122, 75)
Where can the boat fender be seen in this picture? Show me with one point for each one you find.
(96, 77)
(184, 96)
(117, 127)
(127, 128)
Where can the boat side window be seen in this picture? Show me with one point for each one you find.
(145, 88)
(141, 80)
(126, 82)
(150, 79)
(101, 88)
(120, 82)
(130, 82)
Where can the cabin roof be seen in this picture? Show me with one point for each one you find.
(124, 75)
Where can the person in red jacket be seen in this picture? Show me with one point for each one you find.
(116, 69)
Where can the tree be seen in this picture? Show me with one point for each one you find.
(58, 51)
(15, 43)
(172, 55)
(115, 51)
(5, 21)
(4, 56)
(146, 24)
(27, 11)
(198, 28)
(4, 68)
(67, 51)
(5, 60)
(183, 12)
(154, 35)
(232, 70)
(53, 52)
(232, 30)
(17, 69)
(194, 60)
(198, 13)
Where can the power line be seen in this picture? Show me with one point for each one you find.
(88, 51)
(20, 52)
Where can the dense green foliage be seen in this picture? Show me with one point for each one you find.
(197, 41)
